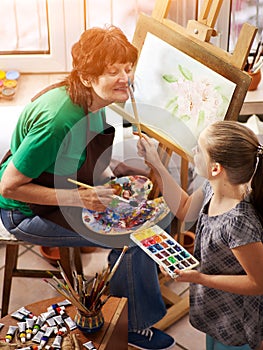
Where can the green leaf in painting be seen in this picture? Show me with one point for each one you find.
(223, 107)
(172, 101)
(185, 117)
(201, 118)
(175, 109)
(169, 78)
(186, 73)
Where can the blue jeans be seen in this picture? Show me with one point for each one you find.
(213, 344)
(136, 278)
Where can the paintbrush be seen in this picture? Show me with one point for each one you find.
(59, 283)
(103, 302)
(68, 296)
(257, 66)
(68, 284)
(256, 55)
(116, 265)
(66, 289)
(134, 107)
(121, 199)
(98, 295)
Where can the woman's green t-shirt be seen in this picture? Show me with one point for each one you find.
(50, 136)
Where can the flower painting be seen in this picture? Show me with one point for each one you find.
(177, 95)
(195, 102)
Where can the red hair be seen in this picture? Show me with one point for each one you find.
(96, 49)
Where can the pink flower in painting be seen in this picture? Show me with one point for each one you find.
(197, 103)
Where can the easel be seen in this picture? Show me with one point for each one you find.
(198, 32)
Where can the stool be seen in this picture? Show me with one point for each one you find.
(70, 258)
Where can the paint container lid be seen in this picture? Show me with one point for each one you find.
(12, 75)
(10, 83)
(2, 74)
(8, 92)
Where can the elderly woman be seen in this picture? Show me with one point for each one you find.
(63, 133)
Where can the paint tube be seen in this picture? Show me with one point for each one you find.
(65, 302)
(59, 320)
(18, 316)
(61, 331)
(57, 341)
(48, 314)
(26, 312)
(10, 333)
(39, 323)
(29, 327)
(37, 337)
(60, 310)
(51, 322)
(44, 327)
(48, 347)
(45, 337)
(22, 331)
(70, 323)
(89, 345)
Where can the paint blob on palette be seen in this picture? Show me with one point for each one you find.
(164, 250)
(129, 210)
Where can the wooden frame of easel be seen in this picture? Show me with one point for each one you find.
(192, 40)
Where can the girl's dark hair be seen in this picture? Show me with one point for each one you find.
(96, 49)
(238, 150)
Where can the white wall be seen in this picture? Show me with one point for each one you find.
(8, 116)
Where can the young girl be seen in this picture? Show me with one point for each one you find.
(226, 291)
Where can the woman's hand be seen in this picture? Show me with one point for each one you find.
(97, 198)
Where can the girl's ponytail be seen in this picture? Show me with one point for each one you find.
(257, 184)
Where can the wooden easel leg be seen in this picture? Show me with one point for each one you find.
(179, 306)
(10, 266)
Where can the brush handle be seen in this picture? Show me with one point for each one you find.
(79, 183)
(116, 265)
(134, 107)
(121, 199)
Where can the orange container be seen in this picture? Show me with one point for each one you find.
(256, 78)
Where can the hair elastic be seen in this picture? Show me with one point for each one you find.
(259, 150)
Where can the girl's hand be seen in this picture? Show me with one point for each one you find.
(183, 276)
(147, 149)
(191, 276)
(163, 271)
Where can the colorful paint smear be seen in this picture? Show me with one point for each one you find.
(136, 212)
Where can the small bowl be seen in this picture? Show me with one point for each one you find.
(51, 254)
(256, 78)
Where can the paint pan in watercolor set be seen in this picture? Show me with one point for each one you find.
(164, 250)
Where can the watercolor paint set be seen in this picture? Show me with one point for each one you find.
(164, 250)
